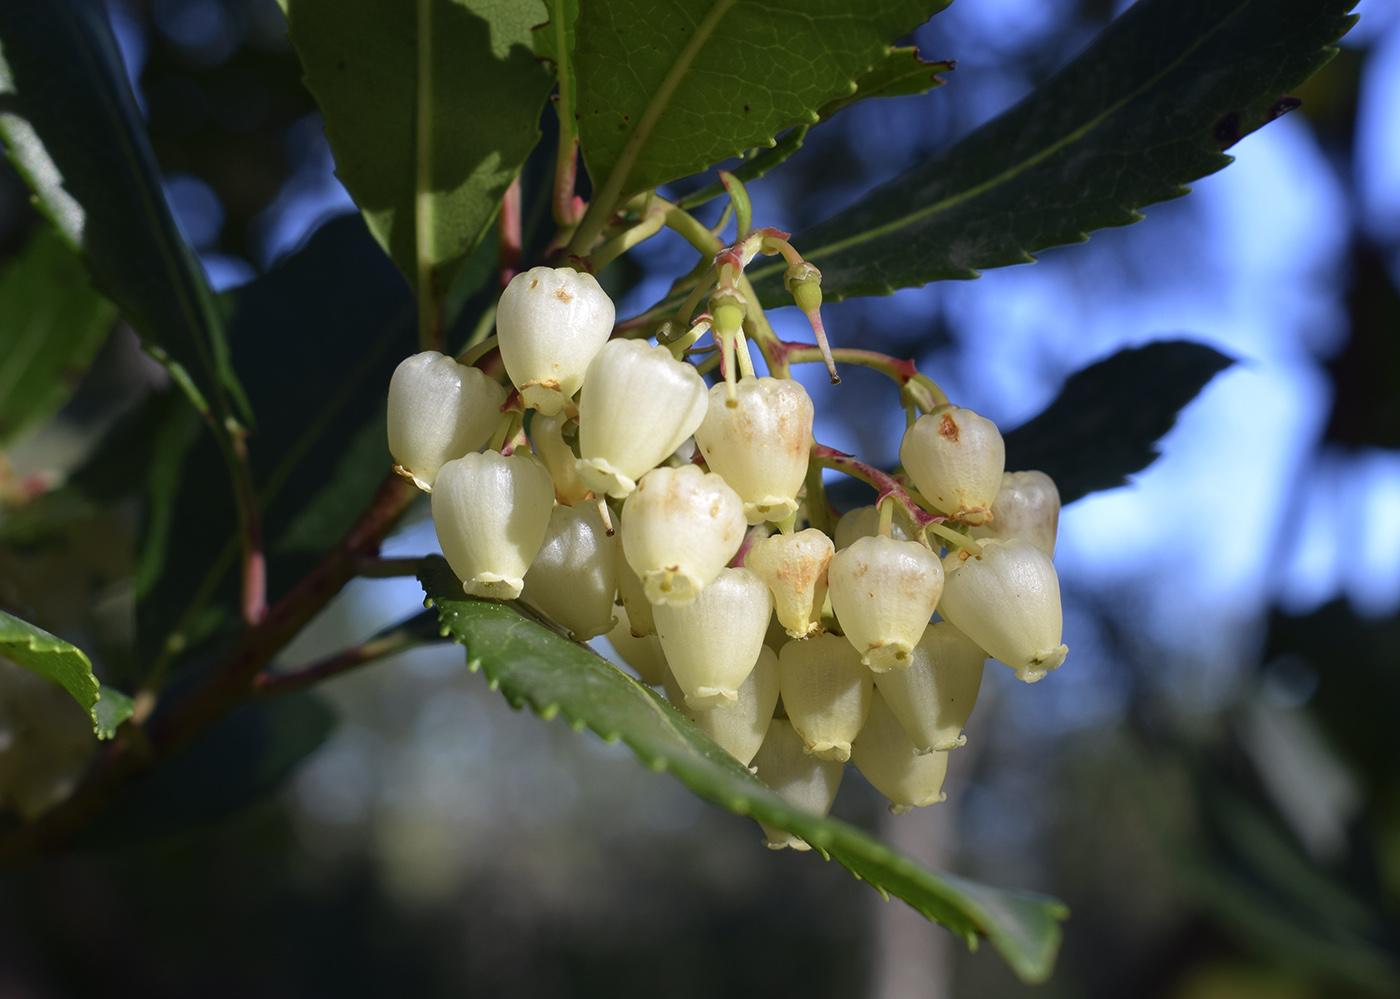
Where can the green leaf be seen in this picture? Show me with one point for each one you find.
(426, 138)
(559, 50)
(66, 665)
(72, 130)
(756, 163)
(901, 73)
(669, 87)
(337, 317)
(1103, 425)
(531, 664)
(1147, 108)
(54, 324)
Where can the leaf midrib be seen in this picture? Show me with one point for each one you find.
(1012, 172)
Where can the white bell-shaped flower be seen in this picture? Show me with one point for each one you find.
(439, 410)
(934, 697)
(550, 324)
(641, 652)
(864, 522)
(491, 513)
(794, 567)
(739, 728)
(826, 692)
(633, 595)
(886, 756)
(1027, 506)
(883, 592)
(760, 441)
(712, 642)
(679, 529)
(1007, 600)
(640, 404)
(955, 458)
(805, 782)
(573, 579)
(547, 436)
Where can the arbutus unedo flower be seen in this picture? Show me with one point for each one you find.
(934, 696)
(759, 441)
(638, 406)
(1027, 506)
(1006, 598)
(549, 325)
(955, 459)
(886, 756)
(802, 780)
(679, 529)
(438, 410)
(712, 642)
(883, 592)
(491, 513)
(864, 522)
(737, 728)
(641, 652)
(794, 567)
(826, 691)
(547, 438)
(573, 578)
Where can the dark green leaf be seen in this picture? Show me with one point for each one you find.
(669, 87)
(66, 665)
(901, 73)
(426, 141)
(755, 164)
(53, 324)
(337, 318)
(1146, 109)
(1105, 422)
(531, 664)
(72, 130)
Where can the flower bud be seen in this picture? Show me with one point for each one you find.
(640, 404)
(955, 458)
(883, 592)
(1007, 600)
(886, 756)
(550, 323)
(864, 522)
(934, 697)
(759, 441)
(574, 577)
(1027, 506)
(491, 513)
(712, 642)
(679, 529)
(794, 567)
(439, 410)
(805, 782)
(641, 652)
(739, 728)
(826, 692)
(547, 436)
(634, 598)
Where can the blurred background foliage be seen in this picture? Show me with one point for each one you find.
(1212, 783)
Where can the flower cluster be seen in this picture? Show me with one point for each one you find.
(622, 496)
